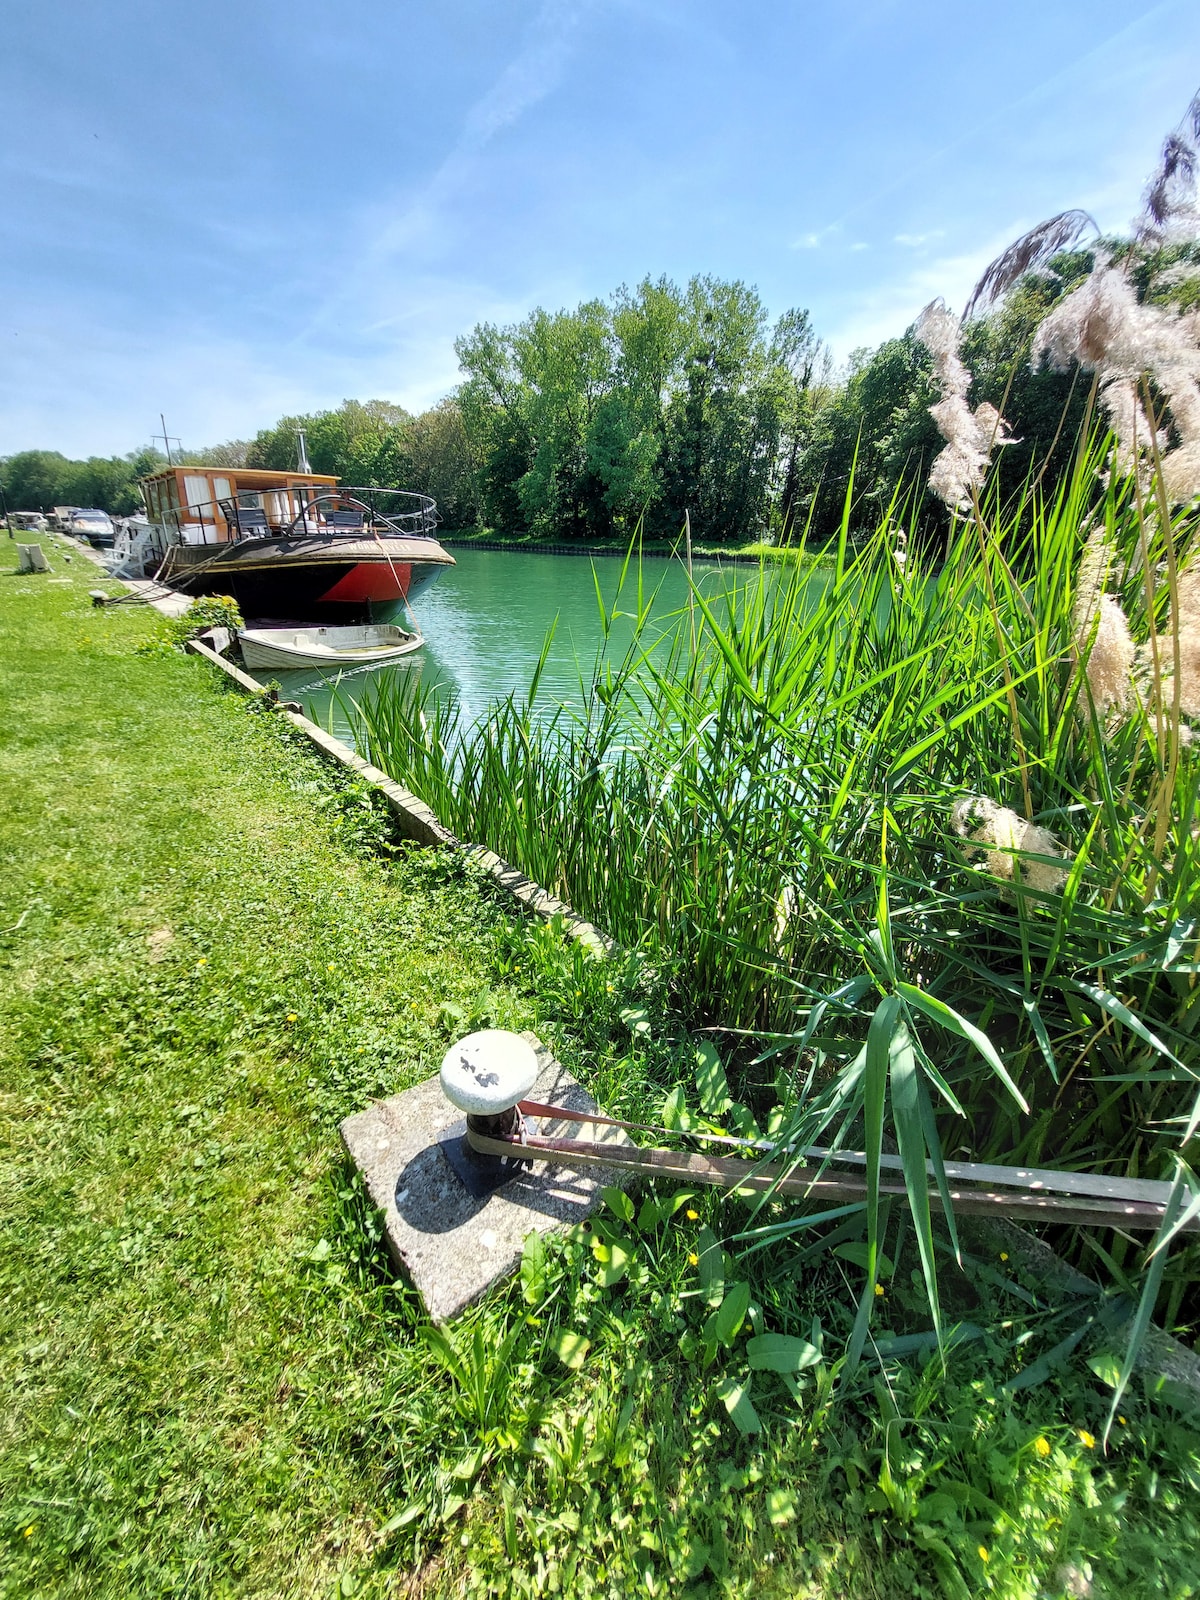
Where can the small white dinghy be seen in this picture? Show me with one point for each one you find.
(371, 645)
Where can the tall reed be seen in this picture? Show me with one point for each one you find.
(781, 815)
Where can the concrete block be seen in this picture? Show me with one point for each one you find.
(453, 1247)
(31, 558)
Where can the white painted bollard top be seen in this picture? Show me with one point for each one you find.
(488, 1072)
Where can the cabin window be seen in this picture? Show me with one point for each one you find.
(220, 488)
(197, 490)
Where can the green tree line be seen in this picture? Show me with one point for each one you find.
(37, 480)
(662, 403)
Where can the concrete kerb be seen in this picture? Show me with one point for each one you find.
(417, 822)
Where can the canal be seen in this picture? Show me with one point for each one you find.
(486, 620)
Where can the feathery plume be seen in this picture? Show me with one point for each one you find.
(1032, 249)
(1091, 580)
(1103, 326)
(1181, 466)
(1169, 203)
(1110, 659)
(1003, 838)
(1185, 624)
(1102, 635)
(970, 436)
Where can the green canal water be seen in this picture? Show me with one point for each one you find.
(486, 620)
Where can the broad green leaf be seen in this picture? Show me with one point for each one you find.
(674, 1115)
(855, 1251)
(710, 1081)
(637, 1020)
(571, 1348)
(613, 1264)
(780, 1352)
(403, 1518)
(712, 1266)
(781, 1507)
(533, 1267)
(736, 1400)
(731, 1313)
(1108, 1369)
(618, 1202)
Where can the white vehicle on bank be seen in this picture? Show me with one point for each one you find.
(94, 526)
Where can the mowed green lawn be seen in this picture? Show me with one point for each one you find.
(209, 970)
(210, 1382)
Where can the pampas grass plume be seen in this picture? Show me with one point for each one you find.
(1102, 635)
(970, 436)
(1002, 838)
(1185, 623)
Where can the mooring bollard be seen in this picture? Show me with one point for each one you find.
(485, 1075)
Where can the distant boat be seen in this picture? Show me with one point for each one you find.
(372, 645)
(289, 546)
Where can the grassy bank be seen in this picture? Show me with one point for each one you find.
(751, 550)
(212, 1385)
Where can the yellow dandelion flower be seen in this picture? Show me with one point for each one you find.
(331, 966)
(1121, 1420)
(983, 1553)
(608, 988)
(1004, 1255)
(880, 1291)
(29, 1530)
(1042, 1445)
(201, 961)
(291, 1016)
(693, 1259)
(1089, 1439)
(692, 1216)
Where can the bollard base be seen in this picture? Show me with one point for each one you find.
(479, 1175)
(453, 1239)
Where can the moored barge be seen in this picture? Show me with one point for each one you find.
(290, 546)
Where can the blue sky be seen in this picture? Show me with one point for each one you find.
(232, 209)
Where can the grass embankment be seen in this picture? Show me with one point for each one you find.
(208, 971)
(211, 1386)
(752, 550)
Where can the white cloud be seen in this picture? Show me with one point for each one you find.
(84, 385)
(888, 307)
(402, 231)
